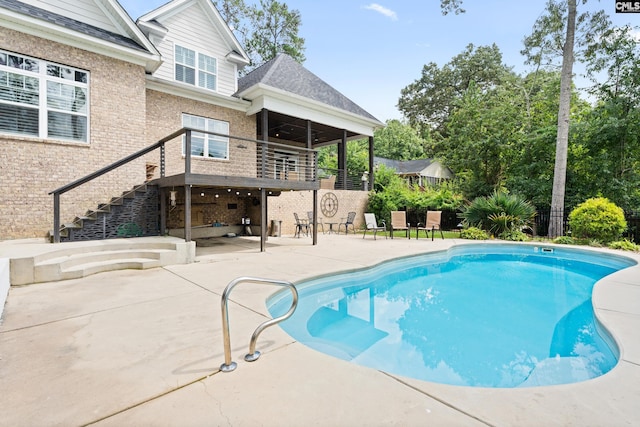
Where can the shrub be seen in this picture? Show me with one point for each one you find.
(474, 233)
(514, 235)
(564, 240)
(624, 245)
(597, 219)
(499, 213)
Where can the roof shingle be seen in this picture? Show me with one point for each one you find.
(72, 24)
(284, 73)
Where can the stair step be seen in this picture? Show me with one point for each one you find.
(70, 225)
(83, 270)
(80, 259)
(113, 206)
(81, 264)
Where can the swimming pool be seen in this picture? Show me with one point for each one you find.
(486, 315)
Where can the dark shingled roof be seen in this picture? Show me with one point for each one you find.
(72, 24)
(404, 167)
(284, 73)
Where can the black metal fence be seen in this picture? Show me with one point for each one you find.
(541, 226)
(451, 221)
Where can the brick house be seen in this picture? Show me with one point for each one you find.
(83, 87)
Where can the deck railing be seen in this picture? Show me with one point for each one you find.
(274, 160)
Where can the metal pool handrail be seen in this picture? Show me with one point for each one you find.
(253, 354)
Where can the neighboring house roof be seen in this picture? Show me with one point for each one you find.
(130, 45)
(423, 167)
(283, 76)
(404, 166)
(151, 25)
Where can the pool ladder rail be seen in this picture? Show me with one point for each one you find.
(253, 355)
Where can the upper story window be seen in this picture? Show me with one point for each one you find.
(196, 68)
(205, 144)
(43, 99)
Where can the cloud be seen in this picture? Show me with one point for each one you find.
(383, 10)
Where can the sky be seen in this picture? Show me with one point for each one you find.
(371, 51)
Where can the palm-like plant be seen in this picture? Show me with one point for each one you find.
(498, 213)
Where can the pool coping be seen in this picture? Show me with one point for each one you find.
(144, 347)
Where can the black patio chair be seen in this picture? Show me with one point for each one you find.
(301, 226)
(320, 224)
(351, 216)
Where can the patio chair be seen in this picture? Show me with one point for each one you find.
(348, 222)
(328, 183)
(301, 226)
(372, 225)
(320, 224)
(432, 223)
(399, 222)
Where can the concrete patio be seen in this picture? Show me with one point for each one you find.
(143, 348)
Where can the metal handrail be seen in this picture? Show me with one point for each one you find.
(57, 192)
(253, 354)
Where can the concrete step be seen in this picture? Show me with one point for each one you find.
(74, 265)
(79, 259)
(87, 269)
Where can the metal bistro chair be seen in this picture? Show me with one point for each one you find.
(301, 226)
(320, 224)
(351, 216)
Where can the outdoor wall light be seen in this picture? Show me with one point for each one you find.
(217, 195)
(202, 194)
(237, 193)
(229, 190)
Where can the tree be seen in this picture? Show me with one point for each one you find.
(234, 12)
(429, 101)
(552, 31)
(274, 30)
(398, 141)
(485, 133)
(264, 30)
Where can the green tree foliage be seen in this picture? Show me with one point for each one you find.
(392, 193)
(598, 219)
(554, 36)
(275, 29)
(264, 29)
(398, 141)
(485, 132)
(429, 101)
(357, 157)
(607, 161)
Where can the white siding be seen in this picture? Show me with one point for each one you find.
(86, 11)
(192, 29)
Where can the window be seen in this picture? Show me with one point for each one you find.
(285, 162)
(205, 144)
(186, 71)
(43, 99)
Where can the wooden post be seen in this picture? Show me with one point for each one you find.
(187, 212)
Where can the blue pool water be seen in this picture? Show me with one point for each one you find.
(487, 315)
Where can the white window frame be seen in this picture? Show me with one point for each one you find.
(208, 140)
(205, 68)
(62, 94)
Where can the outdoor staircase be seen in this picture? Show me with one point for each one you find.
(133, 214)
(80, 259)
